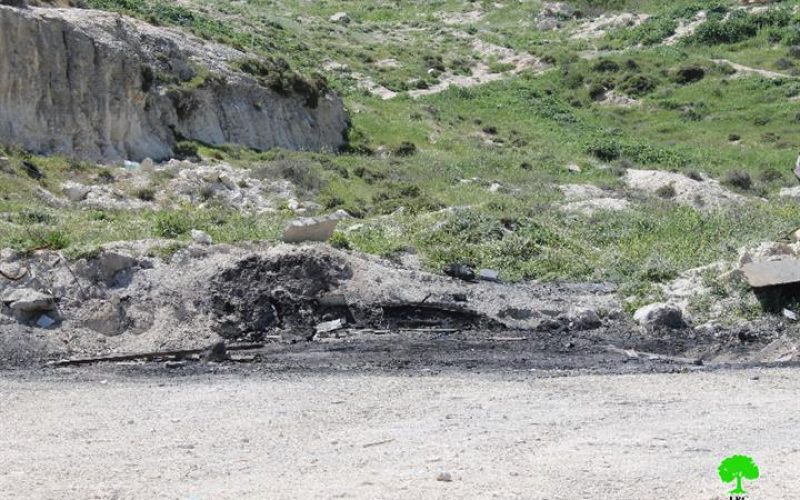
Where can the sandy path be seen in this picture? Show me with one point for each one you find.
(382, 436)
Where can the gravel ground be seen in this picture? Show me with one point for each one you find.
(103, 433)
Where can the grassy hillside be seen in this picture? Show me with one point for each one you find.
(412, 158)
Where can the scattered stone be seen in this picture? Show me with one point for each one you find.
(131, 166)
(75, 191)
(575, 169)
(460, 271)
(174, 365)
(583, 318)
(790, 315)
(330, 326)
(660, 315)
(341, 18)
(28, 300)
(45, 321)
(201, 237)
(489, 275)
(444, 477)
(148, 165)
(310, 229)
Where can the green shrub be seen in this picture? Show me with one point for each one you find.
(666, 192)
(146, 194)
(739, 179)
(172, 224)
(185, 150)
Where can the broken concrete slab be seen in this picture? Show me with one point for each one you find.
(330, 326)
(773, 273)
(489, 275)
(310, 229)
(27, 300)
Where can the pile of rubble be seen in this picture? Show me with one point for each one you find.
(180, 183)
(128, 298)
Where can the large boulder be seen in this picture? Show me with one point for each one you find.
(104, 87)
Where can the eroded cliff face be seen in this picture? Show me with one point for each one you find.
(104, 87)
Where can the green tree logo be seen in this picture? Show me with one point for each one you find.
(736, 468)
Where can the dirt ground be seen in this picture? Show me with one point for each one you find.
(219, 433)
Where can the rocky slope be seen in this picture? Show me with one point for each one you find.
(100, 86)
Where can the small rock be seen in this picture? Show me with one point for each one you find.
(584, 318)
(45, 321)
(444, 477)
(131, 165)
(790, 315)
(148, 165)
(75, 191)
(489, 275)
(660, 315)
(174, 365)
(201, 237)
(340, 18)
(12, 271)
(575, 169)
(292, 204)
(460, 271)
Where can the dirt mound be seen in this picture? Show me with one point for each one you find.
(147, 296)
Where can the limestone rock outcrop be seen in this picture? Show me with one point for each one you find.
(104, 87)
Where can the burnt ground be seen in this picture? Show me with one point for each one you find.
(274, 300)
(608, 350)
